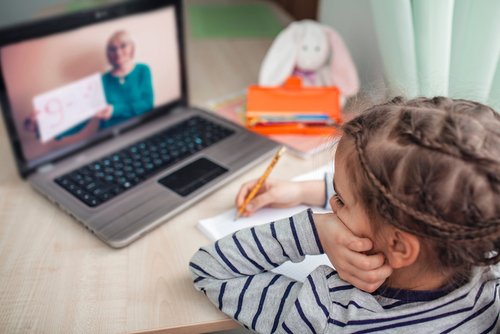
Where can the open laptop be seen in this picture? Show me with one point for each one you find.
(95, 105)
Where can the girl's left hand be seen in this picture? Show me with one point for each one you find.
(345, 251)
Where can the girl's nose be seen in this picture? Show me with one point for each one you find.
(334, 206)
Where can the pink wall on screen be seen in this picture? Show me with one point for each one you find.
(40, 65)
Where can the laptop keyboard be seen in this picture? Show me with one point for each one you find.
(108, 177)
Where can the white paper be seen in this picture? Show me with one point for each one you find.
(224, 224)
(61, 109)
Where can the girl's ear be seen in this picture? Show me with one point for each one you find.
(342, 69)
(402, 248)
(280, 60)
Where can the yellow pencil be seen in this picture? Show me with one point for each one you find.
(260, 182)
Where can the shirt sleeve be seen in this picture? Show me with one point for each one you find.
(145, 103)
(234, 273)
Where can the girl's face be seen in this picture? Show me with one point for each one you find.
(345, 205)
(120, 51)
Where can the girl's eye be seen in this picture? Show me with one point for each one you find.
(338, 201)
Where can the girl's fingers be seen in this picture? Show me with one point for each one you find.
(367, 280)
(259, 201)
(357, 244)
(360, 283)
(244, 190)
(365, 262)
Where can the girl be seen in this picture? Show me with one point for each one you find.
(421, 179)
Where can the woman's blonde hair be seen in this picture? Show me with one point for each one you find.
(123, 35)
(431, 167)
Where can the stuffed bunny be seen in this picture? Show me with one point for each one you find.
(312, 51)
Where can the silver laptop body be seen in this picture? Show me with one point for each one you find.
(134, 211)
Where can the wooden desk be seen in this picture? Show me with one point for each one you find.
(56, 277)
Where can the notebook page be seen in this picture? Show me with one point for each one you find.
(224, 224)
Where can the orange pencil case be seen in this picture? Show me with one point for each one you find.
(293, 109)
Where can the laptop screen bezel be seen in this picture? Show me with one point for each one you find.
(67, 22)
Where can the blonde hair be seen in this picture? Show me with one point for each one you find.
(123, 35)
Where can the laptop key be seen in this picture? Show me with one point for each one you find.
(108, 177)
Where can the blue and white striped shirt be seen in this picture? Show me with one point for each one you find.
(234, 274)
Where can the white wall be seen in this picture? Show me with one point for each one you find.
(353, 20)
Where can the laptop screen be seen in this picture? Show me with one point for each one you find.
(67, 89)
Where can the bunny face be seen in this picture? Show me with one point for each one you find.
(313, 49)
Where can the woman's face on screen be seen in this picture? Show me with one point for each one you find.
(120, 50)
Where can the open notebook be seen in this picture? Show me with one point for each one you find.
(223, 224)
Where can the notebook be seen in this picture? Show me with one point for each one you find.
(95, 105)
(223, 224)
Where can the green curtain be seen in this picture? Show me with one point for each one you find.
(440, 47)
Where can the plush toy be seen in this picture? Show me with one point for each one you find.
(312, 51)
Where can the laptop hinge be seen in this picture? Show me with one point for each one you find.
(45, 168)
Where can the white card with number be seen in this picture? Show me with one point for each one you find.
(61, 109)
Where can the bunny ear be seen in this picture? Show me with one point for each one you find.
(343, 71)
(279, 62)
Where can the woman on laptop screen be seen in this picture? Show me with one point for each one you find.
(127, 87)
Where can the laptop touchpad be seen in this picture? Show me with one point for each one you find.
(192, 176)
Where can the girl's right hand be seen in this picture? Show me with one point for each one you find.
(282, 194)
(273, 194)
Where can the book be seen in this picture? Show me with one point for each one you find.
(224, 224)
(233, 107)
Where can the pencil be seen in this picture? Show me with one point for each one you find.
(260, 182)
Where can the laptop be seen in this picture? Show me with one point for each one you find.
(95, 105)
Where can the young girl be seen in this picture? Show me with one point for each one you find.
(421, 180)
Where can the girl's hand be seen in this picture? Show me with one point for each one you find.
(345, 251)
(281, 194)
(274, 194)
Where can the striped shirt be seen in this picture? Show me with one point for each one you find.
(234, 274)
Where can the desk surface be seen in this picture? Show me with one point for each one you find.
(56, 277)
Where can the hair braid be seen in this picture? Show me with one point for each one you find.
(460, 135)
(450, 140)
(441, 227)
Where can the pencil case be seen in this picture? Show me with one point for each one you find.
(293, 109)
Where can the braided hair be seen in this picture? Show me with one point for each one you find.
(431, 167)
